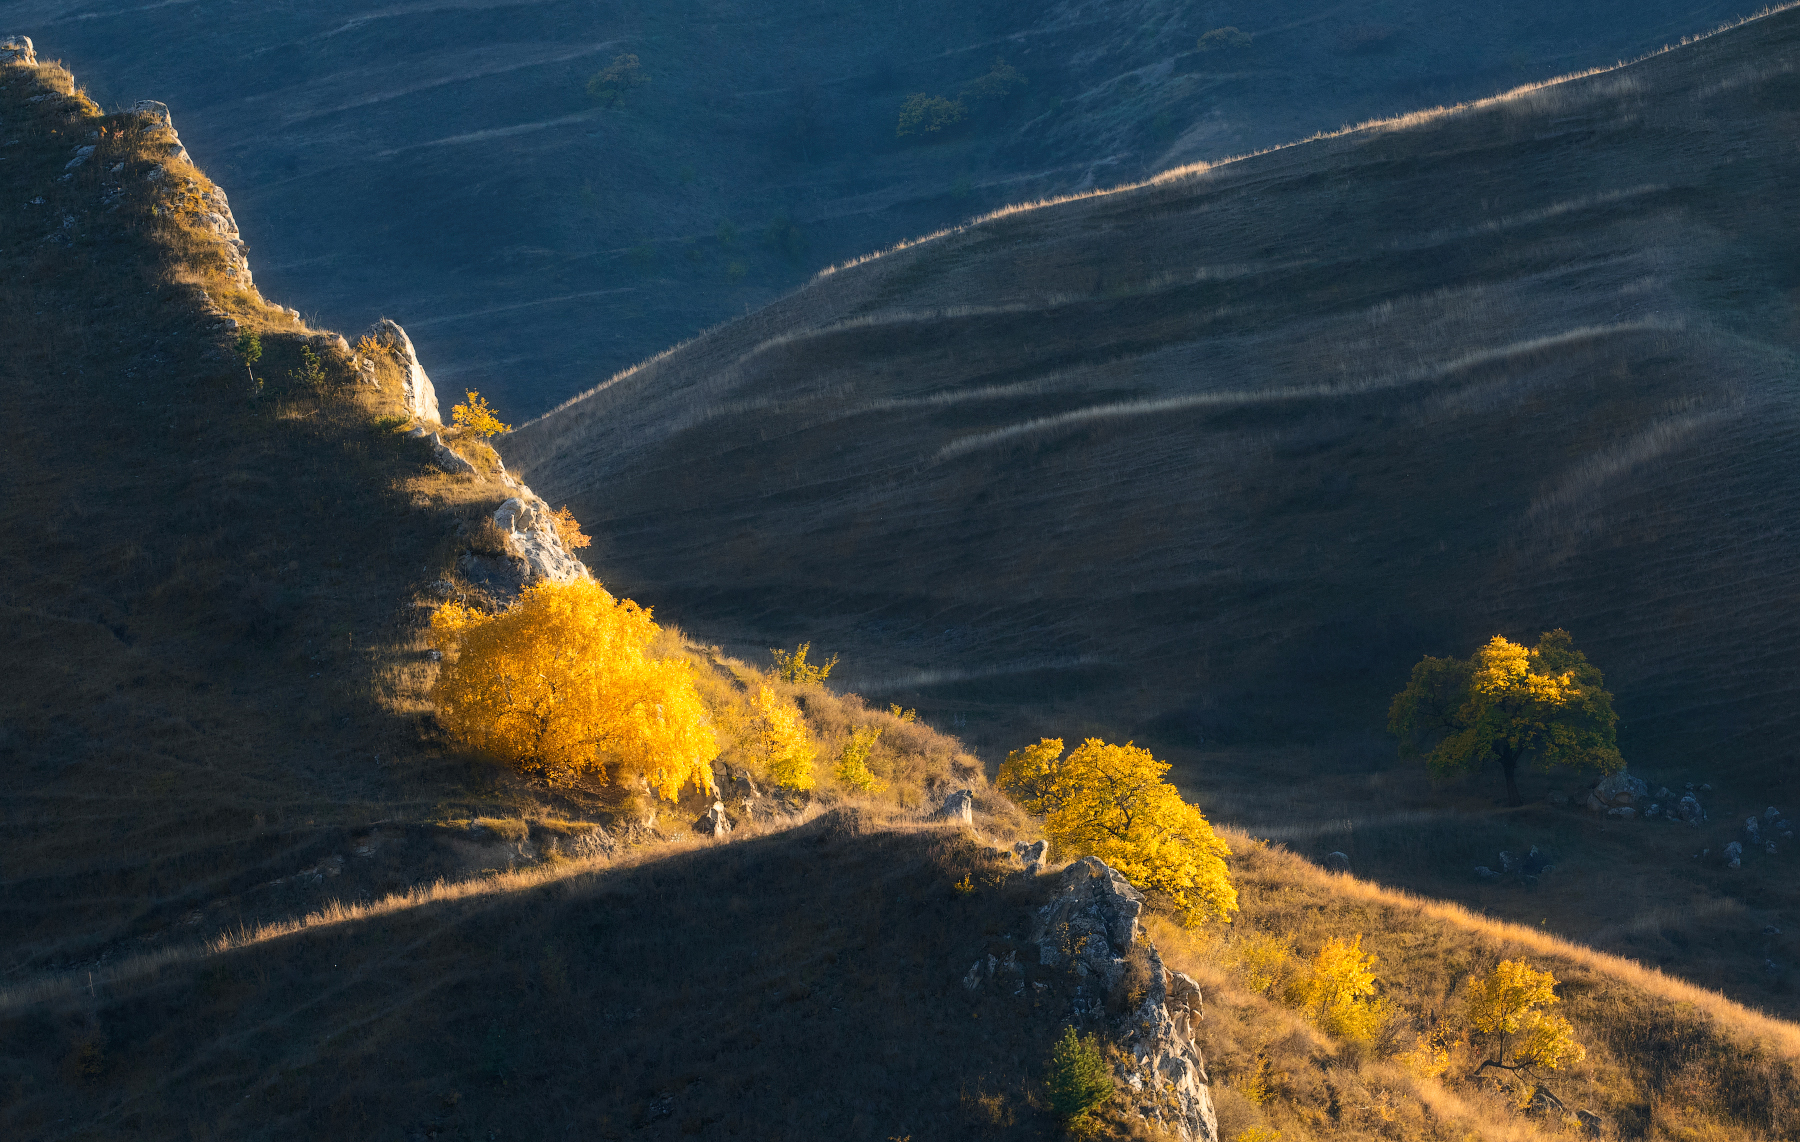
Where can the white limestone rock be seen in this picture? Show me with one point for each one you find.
(532, 537)
(416, 388)
(959, 808)
(18, 49)
(448, 459)
(1164, 1067)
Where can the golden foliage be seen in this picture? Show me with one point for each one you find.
(562, 685)
(1506, 1008)
(853, 761)
(1547, 703)
(787, 749)
(476, 416)
(1338, 990)
(568, 529)
(793, 667)
(1110, 801)
(903, 715)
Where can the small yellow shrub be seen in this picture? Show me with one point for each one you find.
(562, 685)
(1337, 992)
(568, 530)
(853, 760)
(477, 417)
(787, 748)
(792, 666)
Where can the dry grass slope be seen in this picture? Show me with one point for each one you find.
(1209, 462)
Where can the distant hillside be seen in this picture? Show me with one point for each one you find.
(443, 163)
(1211, 461)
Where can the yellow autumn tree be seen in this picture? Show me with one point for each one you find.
(787, 749)
(1338, 991)
(1110, 801)
(476, 416)
(1548, 704)
(563, 685)
(1506, 1011)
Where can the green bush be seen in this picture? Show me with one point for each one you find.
(923, 114)
(1078, 1081)
(996, 86)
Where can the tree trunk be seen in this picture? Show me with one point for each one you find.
(1509, 764)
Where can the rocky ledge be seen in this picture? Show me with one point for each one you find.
(1091, 925)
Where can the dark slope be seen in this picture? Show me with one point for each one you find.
(441, 162)
(1212, 462)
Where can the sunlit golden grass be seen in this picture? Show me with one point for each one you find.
(1646, 1032)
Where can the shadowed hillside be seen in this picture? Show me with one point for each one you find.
(1210, 462)
(444, 163)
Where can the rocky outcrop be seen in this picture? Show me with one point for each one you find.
(1092, 923)
(18, 49)
(713, 822)
(416, 388)
(1034, 855)
(531, 535)
(215, 215)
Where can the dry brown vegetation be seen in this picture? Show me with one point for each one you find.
(1665, 1059)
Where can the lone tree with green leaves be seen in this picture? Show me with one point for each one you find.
(1547, 705)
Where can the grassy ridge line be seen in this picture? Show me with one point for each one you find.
(1195, 170)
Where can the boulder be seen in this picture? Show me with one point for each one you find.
(1594, 804)
(415, 387)
(1689, 809)
(1621, 789)
(1623, 812)
(1753, 827)
(1590, 1123)
(713, 822)
(1337, 862)
(18, 49)
(1734, 855)
(1485, 873)
(1534, 865)
(1771, 813)
(959, 808)
(1035, 855)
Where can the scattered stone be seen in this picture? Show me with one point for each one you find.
(1690, 810)
(1771, 930)
(82, 155)
(1663, 793)
(1557, 797)
(1534, 865)
(1769, 847)
(713, 822)
(1689, 787)
(1590, 1122)
(959, 808)
(1771, 813)
(1624, 813)
(1621, 789)
(1734, 855)
(1508, 862)
(1753, 826)
(1486, 873)
(1655, 810)
(1705, 788)
(1337, 862)
(1594, 804)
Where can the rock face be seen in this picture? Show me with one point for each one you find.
(532, 536)
(1094, 921)
(416, 388)
(449, 459)
(959, 807)
(18, 49)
